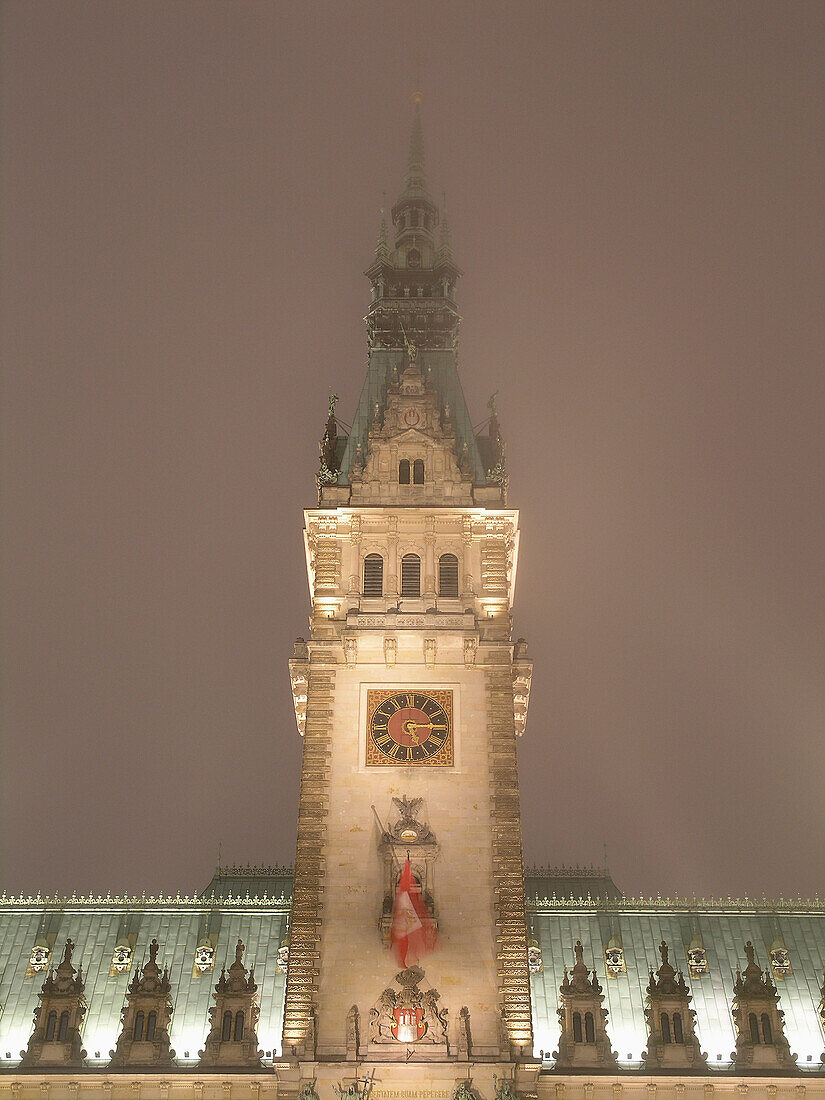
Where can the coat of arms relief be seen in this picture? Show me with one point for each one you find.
(409, 1014)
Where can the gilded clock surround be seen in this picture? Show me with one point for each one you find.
(410, 727)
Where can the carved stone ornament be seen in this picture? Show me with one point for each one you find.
(144, 1035)
(204, 957)
(233, 1033)
(408, 829)
(697, 959)
(58, 1018)
(504, 1088)
(760, 1031)
(534, 961)
(283, 955)
(408, 1014)
(121, 958)
(614, 961)
(672, 1042)
(780, 962)
(407, 834)
(583, 1043)
(39, 958)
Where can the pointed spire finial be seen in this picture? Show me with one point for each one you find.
(415, 161)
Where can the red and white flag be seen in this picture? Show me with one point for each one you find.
(413, 929)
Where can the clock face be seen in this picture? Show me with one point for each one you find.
(409, 726)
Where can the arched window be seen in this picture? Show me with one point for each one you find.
(767, 1034)
(754, 1025)
(63, 1028)
(226, 1030)
(448, 575)
(665, 1028)
(589, 1029)
(151, 1026)
(413, 218)
(404, 471)
(137, 1033)
(238, 1027)
(418, 471)
(577, 1027)
(411, 575)
(373, 575)
(678, 1034)
(51, 1027)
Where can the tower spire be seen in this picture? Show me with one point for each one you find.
(416, 167)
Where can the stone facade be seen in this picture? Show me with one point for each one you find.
(412, 556)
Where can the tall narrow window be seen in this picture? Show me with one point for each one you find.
(767, 1035)
(448, 575)
(151, 1025)
(411, 575)
(226, 1030)
(137, 1034)
(678, 1034)
(238, 1036)
(589, 1029)
(63, 1029)
(51, 1027)
(404, 471)
(373, 575)
(754, 1026)
(577, 1027)
(665, 1028)
(418, 471)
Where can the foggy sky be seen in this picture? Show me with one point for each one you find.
(190, 197)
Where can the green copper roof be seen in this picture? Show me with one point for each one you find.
(440, 368)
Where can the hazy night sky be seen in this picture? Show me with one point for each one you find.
(190, 193)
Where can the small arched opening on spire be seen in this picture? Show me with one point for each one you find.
(51, 1027)
(418, 471)
(226, 1029)
(577, 1027)
(767, 1033)
(404, 472)
(238, 1032)
(665, 1028)
(63, 1028)
(151, 1026)
(589, 1028)
(678, 1032)
(137, 1032)
(754, 1026)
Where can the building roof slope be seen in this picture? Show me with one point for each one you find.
(721, 930)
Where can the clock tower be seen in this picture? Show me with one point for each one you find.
(409, 694)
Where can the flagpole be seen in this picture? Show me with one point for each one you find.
(386, 833)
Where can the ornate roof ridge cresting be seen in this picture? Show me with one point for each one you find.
(137, 901)
(718, 905)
